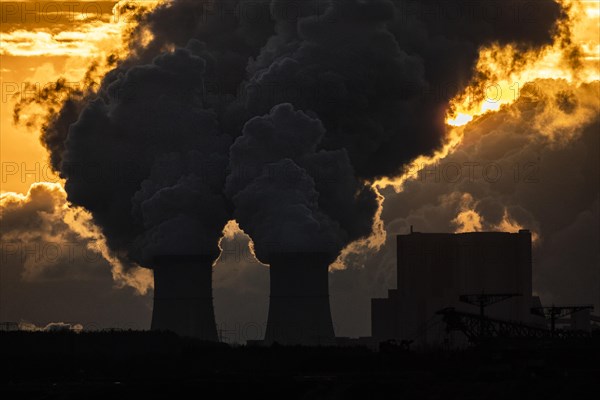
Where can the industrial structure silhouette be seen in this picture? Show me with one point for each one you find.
(183, 301)
(469, 287)
(436, 269)
(451, 289)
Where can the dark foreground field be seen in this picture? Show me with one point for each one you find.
(149, 365)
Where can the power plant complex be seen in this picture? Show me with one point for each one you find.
(463, 286)
(436, 269)
(467, 287)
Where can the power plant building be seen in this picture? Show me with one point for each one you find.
(435, 269)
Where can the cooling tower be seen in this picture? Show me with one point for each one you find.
(299, 310)
(183, 300)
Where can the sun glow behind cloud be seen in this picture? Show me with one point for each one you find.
(574, 56)
(504, 81)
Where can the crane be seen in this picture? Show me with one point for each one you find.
(471, 325)
(484, 300)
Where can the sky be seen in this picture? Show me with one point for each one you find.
(520, 150)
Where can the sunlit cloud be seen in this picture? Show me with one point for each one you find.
(504, 82)
(574, 56)
(85, 35)
(91, 40)
(44, 216)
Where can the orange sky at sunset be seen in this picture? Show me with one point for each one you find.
(41, 42)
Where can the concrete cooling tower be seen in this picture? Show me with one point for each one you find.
(299, 311)
(183, 300)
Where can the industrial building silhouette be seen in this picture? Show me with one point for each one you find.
(299, 310)
(450, 287)
(183, 301)
(467, 286)
(435, 269)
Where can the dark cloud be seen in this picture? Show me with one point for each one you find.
(181, 210)
(380, 74)
(364, 69)
(289, 197)
(158, 156)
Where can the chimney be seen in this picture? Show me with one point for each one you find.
(299, 312)
(183, 300)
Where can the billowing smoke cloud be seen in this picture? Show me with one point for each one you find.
(373, 96)
(291, 196)
(300, 86)
(180, 208)
(148, 160)
(379, 74)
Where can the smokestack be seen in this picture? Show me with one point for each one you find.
(299, 311)
(183, 300)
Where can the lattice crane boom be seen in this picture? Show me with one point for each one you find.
(484, 300)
